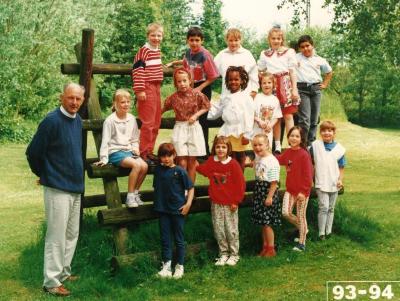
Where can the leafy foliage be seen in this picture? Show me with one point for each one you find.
(365, 50)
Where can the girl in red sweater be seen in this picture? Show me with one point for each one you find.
(226, 190)
(299, 172)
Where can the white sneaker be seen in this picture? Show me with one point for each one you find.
(131, 202)
(138, 200)
(233, 260)
(178, 274)
(166, 270)
(221, 260)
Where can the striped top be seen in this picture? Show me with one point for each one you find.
(147, 67)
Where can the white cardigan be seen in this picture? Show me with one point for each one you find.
(326, 166)
(237, 112)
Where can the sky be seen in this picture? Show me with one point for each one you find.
(260, 15)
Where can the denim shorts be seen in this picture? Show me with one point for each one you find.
(117, 157)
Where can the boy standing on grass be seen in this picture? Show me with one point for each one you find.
(147, 75)
(329, 162)
(200, 63)
(55, 156)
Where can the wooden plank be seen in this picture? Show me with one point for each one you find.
(145, 212)
(147, 196)
(96, 124)
(112, 69)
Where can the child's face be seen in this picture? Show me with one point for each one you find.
(233, 43)
(267, 85)
(234, 81)
(167, 160)
(306, 48)
(155, 38)
(294, 139)
(260, 146)
(275, 40)
(122, 104)
(182, 82)
(327, 135)
(221, 151)
(195, 43)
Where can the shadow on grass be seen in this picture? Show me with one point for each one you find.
(95, 248)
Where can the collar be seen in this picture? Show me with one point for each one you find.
(194, 52)
(186, 93)
(64, 111)
(117, 119)
(151, 47)
(279, 52)
(226, 161)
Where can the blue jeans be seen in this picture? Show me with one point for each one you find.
(171, 225)
(309, 109)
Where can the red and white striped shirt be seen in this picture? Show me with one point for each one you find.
(147, 67)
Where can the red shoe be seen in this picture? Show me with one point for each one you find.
(270, 252)
(60, 291)
(263, 251)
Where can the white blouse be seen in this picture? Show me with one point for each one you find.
(277, 61)
(119, 135)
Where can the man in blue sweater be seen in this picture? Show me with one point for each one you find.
(55, 156)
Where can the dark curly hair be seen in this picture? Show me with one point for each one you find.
(244, 76)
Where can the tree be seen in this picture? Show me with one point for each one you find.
(213, 26)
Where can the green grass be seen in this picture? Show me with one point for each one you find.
(364, 247)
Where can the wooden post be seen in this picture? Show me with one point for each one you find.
(85, 72)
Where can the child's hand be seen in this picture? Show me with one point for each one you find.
(192, 119)
(253, 94)
(244, 140)
(339, 184)
(185, 209)
(197, 89)
(141, 96)
(295, 94)
(248, 162)
(301, 197)
(268, 127)
(323, 86)
(268, 202)
(233, 207)
(99, 163)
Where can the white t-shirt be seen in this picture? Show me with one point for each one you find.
(267, 108)
(266, 168)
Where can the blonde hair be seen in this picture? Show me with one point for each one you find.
(120, 93)
(327, 124)
(279, 31)
(266, 74)
(234, 32)
(263, 137)
(154, 27)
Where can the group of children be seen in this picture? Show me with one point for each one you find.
(248, 116)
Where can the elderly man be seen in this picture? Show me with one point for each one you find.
(55, 156)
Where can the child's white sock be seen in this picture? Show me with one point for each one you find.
(130, 195)
(278, 146)
(136, 191)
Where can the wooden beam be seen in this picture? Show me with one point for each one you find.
(148, 195)
(166, 123)
(112, 69)
(85, 71)
(145, 212)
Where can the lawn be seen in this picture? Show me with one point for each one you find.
(365, 245)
